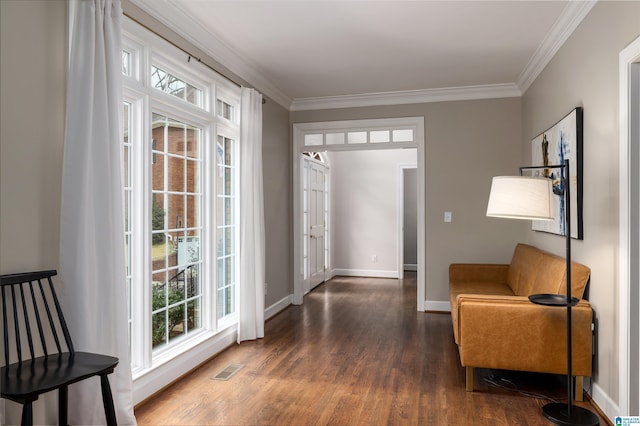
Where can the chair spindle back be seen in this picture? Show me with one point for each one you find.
(30, 306)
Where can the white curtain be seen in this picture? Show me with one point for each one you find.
(92, 258)
(252, 263)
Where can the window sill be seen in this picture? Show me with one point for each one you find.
(177, 362)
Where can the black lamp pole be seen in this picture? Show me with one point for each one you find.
(556, 412)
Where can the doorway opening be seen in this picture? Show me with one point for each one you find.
(353, 135)
(408, 208)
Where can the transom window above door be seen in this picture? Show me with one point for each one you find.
(398, 133)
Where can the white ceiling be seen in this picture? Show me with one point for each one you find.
(301, 52)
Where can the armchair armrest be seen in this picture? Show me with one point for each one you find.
(478, 272)
(509, 332)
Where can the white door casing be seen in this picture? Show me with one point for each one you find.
(373, 134)
(629, 226)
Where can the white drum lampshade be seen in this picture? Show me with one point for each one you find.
(521, 197)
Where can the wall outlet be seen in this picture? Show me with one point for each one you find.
(265, 288)
(447, 217)
(374, 258)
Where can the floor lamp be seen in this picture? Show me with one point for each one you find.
(531, 198)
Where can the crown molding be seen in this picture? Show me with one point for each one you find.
(170, 14)
(572, 15)
(488, 91)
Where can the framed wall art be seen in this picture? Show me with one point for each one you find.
(551, 147)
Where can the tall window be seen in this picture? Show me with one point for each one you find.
(176, 229)
(180, 149)
(126, 147)
(226, 223)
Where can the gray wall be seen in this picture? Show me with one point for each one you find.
(585, 73)
(32, 82)
(466, 143)
(33, 77)
(276, 163)
(410, 219)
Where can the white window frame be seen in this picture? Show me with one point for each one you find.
(154, 370)
(234, 134)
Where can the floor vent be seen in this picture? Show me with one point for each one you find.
(228, 372)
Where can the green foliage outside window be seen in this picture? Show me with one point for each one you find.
(157, 222)
(176, 314)
(168, 299)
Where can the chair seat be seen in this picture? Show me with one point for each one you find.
(26, 381)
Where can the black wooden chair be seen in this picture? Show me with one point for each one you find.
(32, 318)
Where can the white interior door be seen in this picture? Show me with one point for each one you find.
(316, 234)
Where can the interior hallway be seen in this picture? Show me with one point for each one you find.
(356, 352)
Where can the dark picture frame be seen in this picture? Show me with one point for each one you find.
(561, 141)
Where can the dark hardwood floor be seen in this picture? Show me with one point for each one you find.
(356, 352)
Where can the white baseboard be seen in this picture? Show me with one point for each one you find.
(604, 402)
(410, 267)
(434, 305)
(278, 306)
(369, 273)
